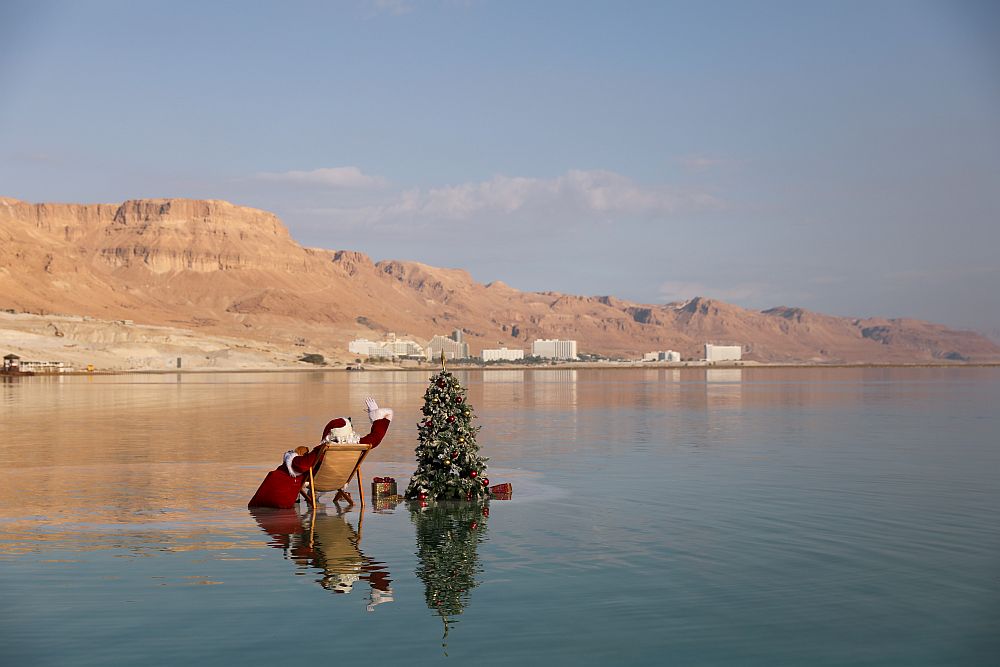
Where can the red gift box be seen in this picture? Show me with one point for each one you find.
(501, 491)
(383, 486)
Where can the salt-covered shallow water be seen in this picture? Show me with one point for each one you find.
(800, 516)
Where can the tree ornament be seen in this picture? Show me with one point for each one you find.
(473, 474)
(447, 462)
(467, 413)
(486, 481)
(461, 439)
(474, 525)
(451, 419)
(441, 383)
(458, 399)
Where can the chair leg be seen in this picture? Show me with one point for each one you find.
(361, 490)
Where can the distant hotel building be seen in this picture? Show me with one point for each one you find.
(669, 355)
(723, 352)
(452, 346)
(502, 354)
(46, 367)
(13, 364)
(385, 349)
(554, 349)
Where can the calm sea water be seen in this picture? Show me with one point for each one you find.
(755, 517)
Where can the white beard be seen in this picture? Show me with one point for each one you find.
(351, 439)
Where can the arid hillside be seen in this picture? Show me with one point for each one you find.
(227, 271)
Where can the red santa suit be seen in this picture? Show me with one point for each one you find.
(282, 485)
(281, 488)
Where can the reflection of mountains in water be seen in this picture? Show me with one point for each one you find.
(329, 544)
(448, 537)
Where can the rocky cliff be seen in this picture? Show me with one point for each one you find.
(235, 271)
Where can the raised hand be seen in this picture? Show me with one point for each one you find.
(375, 412)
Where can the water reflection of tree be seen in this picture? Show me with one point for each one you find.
(328, 543)
(448, 536)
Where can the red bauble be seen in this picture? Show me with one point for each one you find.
(451, 419)
(486, 511)
(486, 481)
(441, 383)
(454, 454)
(423, 496)
(428, 422)
(473, 474)
(474, 525)
(458, 399)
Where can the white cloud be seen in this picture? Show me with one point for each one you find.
(333, 177)
(577, 192)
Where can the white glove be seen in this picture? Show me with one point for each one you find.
(375, 412)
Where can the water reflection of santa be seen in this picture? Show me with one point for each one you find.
(328, 543)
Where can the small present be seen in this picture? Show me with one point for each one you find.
(501, 491)
(383, 486)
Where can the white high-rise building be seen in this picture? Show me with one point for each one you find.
(554, 349)
(452, 349)
(502, 354)
(723, 352)
(362, 346)
(393, 347)
(669, 355)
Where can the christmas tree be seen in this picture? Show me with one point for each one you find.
(448, 537)
(448, 462)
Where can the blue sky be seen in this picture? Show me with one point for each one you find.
(839, 156)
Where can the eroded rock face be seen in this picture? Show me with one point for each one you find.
(235, 271)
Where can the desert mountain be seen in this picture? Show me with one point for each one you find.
(232, 271)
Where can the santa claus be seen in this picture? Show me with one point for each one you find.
(283, 485)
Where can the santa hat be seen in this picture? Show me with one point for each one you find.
(340, 430)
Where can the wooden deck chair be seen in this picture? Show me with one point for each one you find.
(339, 465)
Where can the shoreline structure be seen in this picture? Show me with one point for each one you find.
(119, 347)
(458, 366)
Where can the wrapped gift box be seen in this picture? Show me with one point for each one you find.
(501, 491)
(383, 486)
